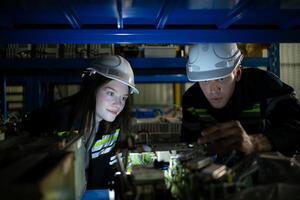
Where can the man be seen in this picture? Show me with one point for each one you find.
(230, 108)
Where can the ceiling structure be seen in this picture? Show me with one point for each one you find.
(149, 21)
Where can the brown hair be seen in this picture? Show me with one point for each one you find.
(84, 109)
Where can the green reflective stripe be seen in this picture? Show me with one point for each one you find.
(197, 110)
(208, 119)
(65, 133)
(106, 139)
(103, 141)
(205, 115)
(62, 133)
(255, 109)
(252, 110)
(201, 113)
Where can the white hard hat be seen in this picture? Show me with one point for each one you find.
(212, 61)
(114, 67)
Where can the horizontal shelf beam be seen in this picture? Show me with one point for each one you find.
(67, 71)
(159, 78)
(146, 36)
(137, 63)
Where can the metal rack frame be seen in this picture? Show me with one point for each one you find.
(138, 22)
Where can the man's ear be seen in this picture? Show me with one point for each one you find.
(238, 73)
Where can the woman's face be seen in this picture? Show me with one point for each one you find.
(110, 100)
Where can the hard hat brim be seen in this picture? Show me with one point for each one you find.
(112, 72)
(132, 88)
(209, 75)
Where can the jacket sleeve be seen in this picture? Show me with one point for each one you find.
(283, 124)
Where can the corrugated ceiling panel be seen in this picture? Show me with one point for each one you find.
(154, 95)
(290, 65)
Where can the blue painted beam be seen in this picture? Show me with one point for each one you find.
(119, 7)
(134, 36)
(237, 13)
(158, 78)
(139, 63)
(50, 64)
(53, 79)
(167, 7)
(80, 64)
(70, 14)
(6, 22)
(43, 64)
(162, 78)
(255, 62)
(290, 24)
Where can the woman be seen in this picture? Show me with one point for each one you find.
(99, 111)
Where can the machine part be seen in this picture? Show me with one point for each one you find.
(143, 175)
(51, 167)
(215, 171)
(78, 149)
(196, 152)
(198, 163)
(144, 158)
(275, 167)
(274, 191)
(295, 160)
(50, 177)
(163, 156)
(121, 169)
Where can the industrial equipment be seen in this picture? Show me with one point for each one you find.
(49, 167)
(180, 171)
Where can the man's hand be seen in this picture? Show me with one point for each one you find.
(228, 136)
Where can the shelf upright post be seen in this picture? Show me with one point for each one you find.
(274, 59)
(34, 95)
(3, 98)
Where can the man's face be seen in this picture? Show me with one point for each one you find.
(110, 100)
(218, 92)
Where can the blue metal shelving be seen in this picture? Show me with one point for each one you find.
(35, 73)
(138, 22)
(175, 36)
(143, 21)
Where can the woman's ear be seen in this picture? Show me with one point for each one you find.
(238, 73)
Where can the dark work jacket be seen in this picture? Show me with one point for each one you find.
(58, 117)
(261, 102)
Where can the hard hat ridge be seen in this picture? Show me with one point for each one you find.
(114, 67)
(211, 61)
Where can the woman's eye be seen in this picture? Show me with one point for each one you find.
(110, 93)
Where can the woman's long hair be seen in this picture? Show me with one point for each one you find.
(84, 112)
